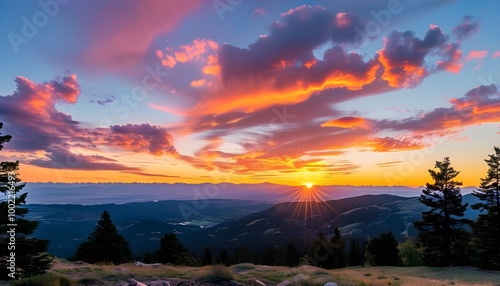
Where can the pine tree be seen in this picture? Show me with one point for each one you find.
(223, 257)
(441, 234)
(338, 247)
(172, 251)
(243, 254)
(487, 227)
(30, 254)
(104, 244)
(207, 257)
(383, 251)
(292, 255)
(355, 257)
(268, 257)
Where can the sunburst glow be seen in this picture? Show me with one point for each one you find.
(308, 202)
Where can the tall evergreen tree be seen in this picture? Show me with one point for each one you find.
(104, 244)
(338, 250)
(30, 254)
(383, 251)
(441, 235)
(292, 255)
(207, 257)
(354, 257)
(268, 257)
(223, 257)
(487, 227)
(174, 252)
(243, 254)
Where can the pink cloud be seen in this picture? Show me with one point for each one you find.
(476, 55)
(496, 54)
(259, 12)
(135, 25)
(31, 117)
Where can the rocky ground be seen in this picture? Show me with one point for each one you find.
(83, 274)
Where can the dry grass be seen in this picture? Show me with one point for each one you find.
(215, 273)
(272, 275)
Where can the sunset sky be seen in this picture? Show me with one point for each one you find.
(329, 92)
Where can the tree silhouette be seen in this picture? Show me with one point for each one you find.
(31, 255)
(104, 244)
(174, 252)
(207, 257)
(440, 229)
(338, 250)
(355, 256)
(292, 255)
(223, 257)
(487, 227)
(383, 251)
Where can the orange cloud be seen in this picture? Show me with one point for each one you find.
(253, 94)
(388, 144)
(347, 122)
(198, 83)
(403, 75)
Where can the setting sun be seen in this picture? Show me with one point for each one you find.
(309, 185)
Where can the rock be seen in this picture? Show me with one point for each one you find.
(284, 283)
(236, 283)
(255, 282)
(159, 283)
(134, 282)
(131, 275)
(299, 277)
(331, 284)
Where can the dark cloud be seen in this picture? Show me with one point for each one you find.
(403, 56)
(465, 29)
(143, 138)
(57, 158)
(291, 40)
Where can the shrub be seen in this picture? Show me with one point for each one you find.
(218, 272)
(46, 279)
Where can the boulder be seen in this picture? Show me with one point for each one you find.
(299, 277)
(159, 283)
(284, 283)
(331, 284)
(255, 282)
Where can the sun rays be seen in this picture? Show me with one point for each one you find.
(309, 202)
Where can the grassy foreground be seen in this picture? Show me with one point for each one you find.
(88, 274)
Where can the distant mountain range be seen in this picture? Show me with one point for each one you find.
(357, 217)
(223, 223)
(119, 193)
